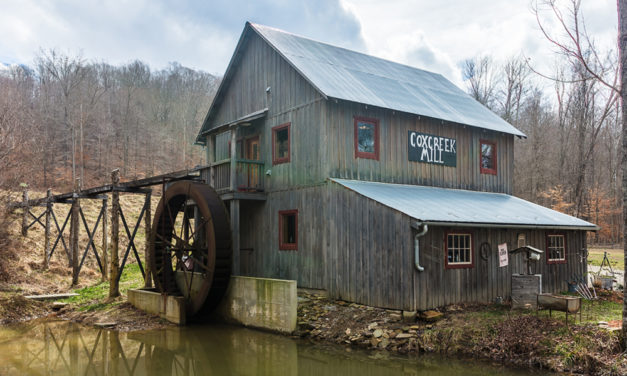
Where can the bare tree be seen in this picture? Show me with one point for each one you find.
(578, 47)
(480, 74)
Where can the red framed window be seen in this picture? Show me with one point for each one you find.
(288, 230)
(488, 157)
(459, 250)
(366, 138)
(281, 144)
(555, 249)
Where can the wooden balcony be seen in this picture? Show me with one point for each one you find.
(246, 182)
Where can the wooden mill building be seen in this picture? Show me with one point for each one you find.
(380, 183)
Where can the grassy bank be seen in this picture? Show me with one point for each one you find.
(491, 332)
(96, 297)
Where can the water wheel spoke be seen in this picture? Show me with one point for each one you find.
(190, 238)
(199, 263)
(204, 222)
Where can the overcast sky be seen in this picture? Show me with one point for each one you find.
(430, 34)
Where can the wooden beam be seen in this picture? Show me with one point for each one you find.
(47, 228)
(105, 240)
(233, 171)
(114, 289)
(234, 207)
(74, 230)
(147, 254)
(25, 211)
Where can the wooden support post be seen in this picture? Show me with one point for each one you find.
(147, 255)
(233, 159)
(105, 239)
(25, 210)
(74, 230)
(114, 289)
(235, 235)
(211, 157)
(47, 228)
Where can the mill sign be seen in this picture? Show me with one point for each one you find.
(428, 148)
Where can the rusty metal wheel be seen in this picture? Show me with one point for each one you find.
(191, 245)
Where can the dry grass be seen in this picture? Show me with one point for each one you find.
(27, 274)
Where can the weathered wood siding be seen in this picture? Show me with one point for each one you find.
(394, 166)
(260, 255)
(370, 255)
(291, 99)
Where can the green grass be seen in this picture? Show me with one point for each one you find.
(616, 257)
(94, 297)
(591, 312)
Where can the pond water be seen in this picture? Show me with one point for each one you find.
(62, 348)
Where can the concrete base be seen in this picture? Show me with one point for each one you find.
(261, 303)
(171, 308)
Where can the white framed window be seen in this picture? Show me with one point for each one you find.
(459, 250)
(555, 249)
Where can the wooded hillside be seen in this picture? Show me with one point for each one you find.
(66, 118)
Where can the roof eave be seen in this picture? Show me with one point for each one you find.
(509, 225)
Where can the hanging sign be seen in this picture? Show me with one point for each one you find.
(503, 259)
(428, 148)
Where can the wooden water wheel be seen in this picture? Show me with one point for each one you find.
(191, 245)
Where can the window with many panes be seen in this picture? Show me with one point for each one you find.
(555, 248)
(488, 157)
(366, 138)
(459, 250)
(281, 144)
(288, 230)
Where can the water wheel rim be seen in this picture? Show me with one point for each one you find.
(214, 229)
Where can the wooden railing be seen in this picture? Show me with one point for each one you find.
(248, 175)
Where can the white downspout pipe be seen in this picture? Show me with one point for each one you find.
(422, 229)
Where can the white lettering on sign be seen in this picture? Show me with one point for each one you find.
(432, 149)
(503, 259)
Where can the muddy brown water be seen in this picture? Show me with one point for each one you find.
(62, 348)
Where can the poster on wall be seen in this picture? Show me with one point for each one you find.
(503, 259)
(428, 148)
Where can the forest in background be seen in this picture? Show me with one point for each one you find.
(64, 118)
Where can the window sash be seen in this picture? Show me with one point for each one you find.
(487, 157)
(366, 146)
(556, 248)
(459, 249)
(281, 152)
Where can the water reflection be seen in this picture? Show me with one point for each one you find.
(61, 348)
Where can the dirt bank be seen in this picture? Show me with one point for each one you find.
(487, 332)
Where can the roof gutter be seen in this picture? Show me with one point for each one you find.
(508, 225)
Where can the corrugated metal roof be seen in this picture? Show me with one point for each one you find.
(348, 75)
(442, 205)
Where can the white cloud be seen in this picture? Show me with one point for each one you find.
(437, 36)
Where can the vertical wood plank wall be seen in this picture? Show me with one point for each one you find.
(291, 99)
(259, 226)
(394, 166)
(361, 251)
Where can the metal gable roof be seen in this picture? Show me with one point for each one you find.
(352, 76)
(456, 206)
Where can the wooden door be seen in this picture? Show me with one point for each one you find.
(253, 154)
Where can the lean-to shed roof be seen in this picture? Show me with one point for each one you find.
(343, 74)
(443, 206)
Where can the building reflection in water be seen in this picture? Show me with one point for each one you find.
(62, 348)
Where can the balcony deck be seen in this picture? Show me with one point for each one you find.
(247, 185)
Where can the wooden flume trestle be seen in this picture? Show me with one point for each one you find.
(188, 248)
